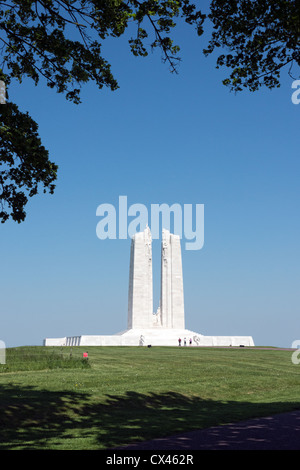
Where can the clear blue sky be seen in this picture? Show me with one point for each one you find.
(161, 138)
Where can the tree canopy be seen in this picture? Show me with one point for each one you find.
(259, 38)
(60, 41)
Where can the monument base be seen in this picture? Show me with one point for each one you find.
(151, 337)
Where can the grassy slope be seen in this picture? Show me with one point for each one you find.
(132, 393)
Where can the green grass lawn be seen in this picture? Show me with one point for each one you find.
(125, 394)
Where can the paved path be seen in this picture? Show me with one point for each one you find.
(278, 432)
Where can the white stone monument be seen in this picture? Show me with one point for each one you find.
(140, 295)
(165, 327)
(172, 299)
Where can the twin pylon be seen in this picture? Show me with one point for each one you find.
(170, 314)
(167, 325)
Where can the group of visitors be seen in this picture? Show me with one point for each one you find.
(184, 341)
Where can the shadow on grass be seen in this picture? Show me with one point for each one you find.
(36, 419)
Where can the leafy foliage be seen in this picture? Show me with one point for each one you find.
(24, 162)
(261, 37)
(60, 41)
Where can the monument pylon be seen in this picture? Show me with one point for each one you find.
(140, 294)
(171, 297)
(167, 325)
